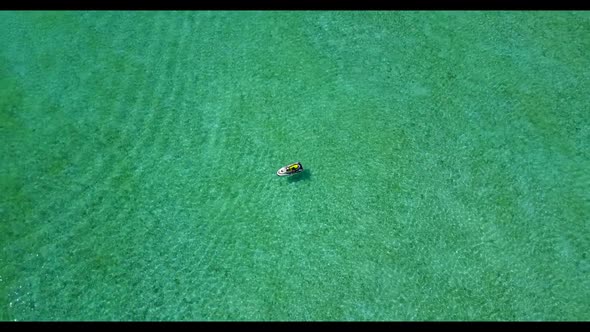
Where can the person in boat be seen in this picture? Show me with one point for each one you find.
(290, 169)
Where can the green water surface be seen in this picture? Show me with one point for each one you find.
(446, 156)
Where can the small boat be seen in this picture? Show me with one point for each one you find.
(290, 169)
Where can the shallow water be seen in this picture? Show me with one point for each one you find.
(445, 152)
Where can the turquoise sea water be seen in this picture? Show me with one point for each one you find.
(446, 158)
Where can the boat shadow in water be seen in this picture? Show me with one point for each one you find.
(302, 176)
